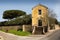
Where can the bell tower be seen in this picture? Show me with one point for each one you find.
(39, 16)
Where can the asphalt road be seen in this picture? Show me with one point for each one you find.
(54, 36)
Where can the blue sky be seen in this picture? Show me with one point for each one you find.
(26, 5)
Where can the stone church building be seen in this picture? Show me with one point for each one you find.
(40, 18)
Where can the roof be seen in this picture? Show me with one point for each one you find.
(40, 5)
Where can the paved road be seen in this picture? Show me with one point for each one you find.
(52, 36)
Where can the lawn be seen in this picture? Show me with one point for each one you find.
(19, 33)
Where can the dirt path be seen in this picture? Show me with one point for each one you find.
(8, 36)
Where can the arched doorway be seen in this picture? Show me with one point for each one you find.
(39, 22)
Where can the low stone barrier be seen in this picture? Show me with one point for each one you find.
(7, 28)
(27, 28)
(57, 27)
(23, 27)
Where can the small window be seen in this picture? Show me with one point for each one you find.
(39, 11)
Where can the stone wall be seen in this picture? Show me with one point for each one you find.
(27, 28)
(10, 28)
(57, 27)
(23, 27)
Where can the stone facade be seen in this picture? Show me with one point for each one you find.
(40, 18)
(36, 16)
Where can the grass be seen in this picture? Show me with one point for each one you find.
(19, 33)
(2, 30)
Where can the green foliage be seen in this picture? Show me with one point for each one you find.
(20, 18)
(27, 19)
(10, 14)
(20, 33)
(56, 21)
(59, 23)
(2, 23)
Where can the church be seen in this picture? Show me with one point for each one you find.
(40, 18)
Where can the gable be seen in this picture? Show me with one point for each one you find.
(40, 6)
